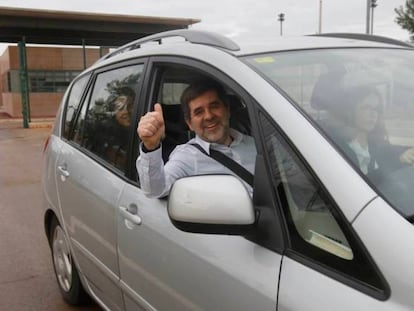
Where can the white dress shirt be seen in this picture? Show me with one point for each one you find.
(156, 178)
(363, 156)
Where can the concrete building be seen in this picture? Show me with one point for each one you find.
(49, 70)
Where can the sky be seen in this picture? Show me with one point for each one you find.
(245, 20)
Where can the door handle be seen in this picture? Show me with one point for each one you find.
(63, 170)
(130, 213)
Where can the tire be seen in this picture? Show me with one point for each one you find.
(66, 273)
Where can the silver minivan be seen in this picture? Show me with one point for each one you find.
(330, 222)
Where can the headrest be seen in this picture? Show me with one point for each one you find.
(327, 91)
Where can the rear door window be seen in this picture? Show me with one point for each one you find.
(105, 124)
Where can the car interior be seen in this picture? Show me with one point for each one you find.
(170, 83)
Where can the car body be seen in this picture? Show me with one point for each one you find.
(318, 233)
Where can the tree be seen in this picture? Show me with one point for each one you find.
(405, 17)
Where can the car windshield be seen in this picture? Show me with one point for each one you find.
(363, 100)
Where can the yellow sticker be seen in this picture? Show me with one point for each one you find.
(262, 60)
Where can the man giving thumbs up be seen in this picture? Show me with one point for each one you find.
(207, 114)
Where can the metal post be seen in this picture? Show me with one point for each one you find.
(372, 21)
(368, 16)
(84, 53)
(24, 87)
(320, 17)
(281, 18)
(373, 6)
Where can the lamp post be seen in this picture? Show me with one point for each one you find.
(281, 18)
(320, 17)
(368, 17)
(373, 6)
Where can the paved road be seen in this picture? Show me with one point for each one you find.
(27, 281)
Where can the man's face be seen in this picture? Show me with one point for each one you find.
(123, 109)
(209, 118)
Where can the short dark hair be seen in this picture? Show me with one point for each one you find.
(198, 88)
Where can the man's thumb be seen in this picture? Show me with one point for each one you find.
(158, 108)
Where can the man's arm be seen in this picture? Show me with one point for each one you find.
(150, 169)
(156, 178)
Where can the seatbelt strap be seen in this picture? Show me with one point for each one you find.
(229, 163)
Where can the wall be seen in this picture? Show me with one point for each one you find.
(42, 105)
(4, 67)
(54, 58)
(41, 58)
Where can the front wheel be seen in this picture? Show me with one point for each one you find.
(65, 270)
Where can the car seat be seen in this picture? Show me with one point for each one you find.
(176, 130)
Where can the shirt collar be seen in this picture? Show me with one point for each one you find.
(236, 135)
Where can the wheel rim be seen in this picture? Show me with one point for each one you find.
(62, 259)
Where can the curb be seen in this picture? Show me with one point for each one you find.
(36, 125)
(41, 123)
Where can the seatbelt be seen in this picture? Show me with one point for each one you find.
(229, 163)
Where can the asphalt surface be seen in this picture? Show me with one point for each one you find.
(27, 280)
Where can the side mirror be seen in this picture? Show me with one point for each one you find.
(214, 204)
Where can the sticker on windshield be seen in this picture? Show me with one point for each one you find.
(262, 60)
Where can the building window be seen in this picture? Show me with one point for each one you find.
(42, 81)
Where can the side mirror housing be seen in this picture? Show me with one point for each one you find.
(214, 204)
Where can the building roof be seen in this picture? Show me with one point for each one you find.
(69, 28)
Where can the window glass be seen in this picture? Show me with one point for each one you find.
(80, 128)
(308, 212)
(171, 92)
(41, 81)
(73, 102)
(316, 229)
(108, 119)
(13, 81)
(362, 99)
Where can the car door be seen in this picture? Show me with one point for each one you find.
(163, 268)
(91, 176)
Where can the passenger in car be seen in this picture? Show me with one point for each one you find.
(112, 134)
(207, 113)
(363, 135)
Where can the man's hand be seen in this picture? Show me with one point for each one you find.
(408, 156)
(151, 128)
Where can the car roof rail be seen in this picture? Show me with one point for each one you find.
(365, 37)
(193, 36)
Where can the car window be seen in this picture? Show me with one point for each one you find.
(309, 213)
(73, 103)
(362, 100)
(170, 82)
(317, 231)
(104, 125)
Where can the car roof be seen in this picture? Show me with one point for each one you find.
(163, 43)
(310, 42)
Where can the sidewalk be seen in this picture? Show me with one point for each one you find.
(8, 122)
(35, 123)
